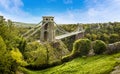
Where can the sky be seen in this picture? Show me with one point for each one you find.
(64, 11)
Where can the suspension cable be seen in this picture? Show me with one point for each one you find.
(60, 29)
(36, 30)
(38, 25)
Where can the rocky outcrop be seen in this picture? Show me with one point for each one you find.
(113, 48)
(116, 70)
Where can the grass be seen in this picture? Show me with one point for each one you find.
(100, 64)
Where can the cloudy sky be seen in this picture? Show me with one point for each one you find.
(64, 11)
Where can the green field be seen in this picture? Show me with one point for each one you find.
(101, 64)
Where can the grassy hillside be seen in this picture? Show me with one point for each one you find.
(100, 64)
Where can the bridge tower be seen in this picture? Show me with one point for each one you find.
(47, 31)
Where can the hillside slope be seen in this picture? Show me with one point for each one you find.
(101, 64)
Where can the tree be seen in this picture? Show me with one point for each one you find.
(6, 62)
(21, 44)
(88, 36)
(9, 33)
(17, 56)
(99, 46)
(104, 37)
(8, 41)
(94, 37)
(2, 46)
(114, 38)
(81, 47)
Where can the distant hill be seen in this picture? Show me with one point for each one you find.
(24, 24)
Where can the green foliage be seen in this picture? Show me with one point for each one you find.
(21, 44)
(32, 46)
(108, 32)
(2, 46)
(93, 37)
(44, 55)
(18, 57)
(114, 38)
(99, 46)
(104, 37)
(88, 36)
(7, 64)
(9, 33)
(9, 60)
(81, 47)
(32, 51)
(69, 42)
(41, 56)
(68, 57)
(9, 39)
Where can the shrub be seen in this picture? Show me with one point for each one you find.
(18, 57)
(81, 47)
(99, 46)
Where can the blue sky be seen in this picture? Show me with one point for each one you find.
(64, 11)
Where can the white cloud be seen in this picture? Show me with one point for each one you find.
(102, 11)
(11, 5)
(12, 10)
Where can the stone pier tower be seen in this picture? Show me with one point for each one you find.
(47, 31)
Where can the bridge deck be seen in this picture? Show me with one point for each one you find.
(67, 35)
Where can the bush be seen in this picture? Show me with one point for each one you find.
(81, 47)
(99, 46)
(18, 57)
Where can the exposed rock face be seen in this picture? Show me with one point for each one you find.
(91, 53)
(113, 48)
(56, 50)
(116, 70)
